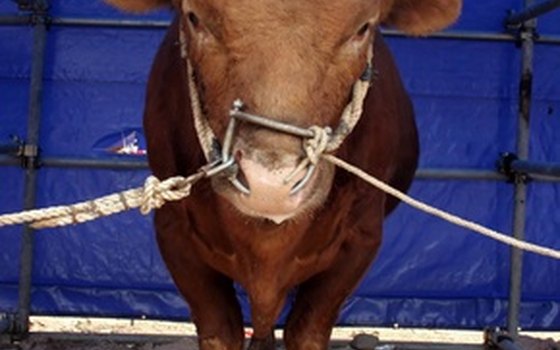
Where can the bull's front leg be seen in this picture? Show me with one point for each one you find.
(266, 305)
(318, 300)
(211, 296)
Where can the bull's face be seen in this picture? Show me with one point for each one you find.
(293, 61)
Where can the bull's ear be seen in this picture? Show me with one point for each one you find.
(419, 17)
(138, 5)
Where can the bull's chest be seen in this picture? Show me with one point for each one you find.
(263, 256)
(269, 260)
(265, 259)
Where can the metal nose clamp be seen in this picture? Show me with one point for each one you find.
(227, 159)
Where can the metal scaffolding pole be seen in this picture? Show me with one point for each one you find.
(116, 23)
(33, 124)
(510, 166)
(162, 24)
(118, 164)
(547, 169)
(40, 21)
(520, 196)
(112, 164)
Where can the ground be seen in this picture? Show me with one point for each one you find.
(58, 333)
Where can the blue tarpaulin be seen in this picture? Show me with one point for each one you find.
(428, 273)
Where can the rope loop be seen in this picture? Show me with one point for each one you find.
(151, 196)
(316, 146)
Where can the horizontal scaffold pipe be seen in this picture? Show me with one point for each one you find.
(536, 168)
(547, 170)
(119, 164)
(117, 23)
(163, 24)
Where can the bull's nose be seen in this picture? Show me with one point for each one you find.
(270, 195)
(255, 178)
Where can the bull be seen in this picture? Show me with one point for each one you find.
(271, 225)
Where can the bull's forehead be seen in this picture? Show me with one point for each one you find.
(330, 19)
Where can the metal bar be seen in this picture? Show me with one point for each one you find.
(33, 124)
(548, 39)
(154, 24)
(272, 124)
(140, 164)
(10, 149)
(456, 35)
(115, 23)
(520, 196)
(8, 160)
(95, 163)
(14, 20)
(531, 12)
(59, 162)
(536, 168)
(474, 36)
(424, 174)
(458, 174)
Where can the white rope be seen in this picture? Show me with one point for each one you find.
(154, 194)
(353, 111)
(313, 148)
(204, 132)
(498, 236)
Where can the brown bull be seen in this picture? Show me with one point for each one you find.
(293, 61)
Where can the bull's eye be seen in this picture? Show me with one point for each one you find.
(195, 22)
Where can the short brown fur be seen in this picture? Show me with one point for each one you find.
(293, 61)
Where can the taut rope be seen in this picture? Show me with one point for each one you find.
(155, 193)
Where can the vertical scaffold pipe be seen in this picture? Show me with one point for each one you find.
(33, 124)
(520, 196)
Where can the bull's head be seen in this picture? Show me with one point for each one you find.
(293, 61)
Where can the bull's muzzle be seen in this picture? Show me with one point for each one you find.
(230, 167)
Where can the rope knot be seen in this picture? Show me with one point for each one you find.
(316, 146)
(155, 192)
